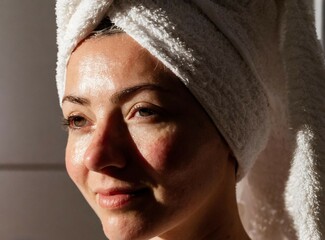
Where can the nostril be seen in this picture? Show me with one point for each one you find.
(98, 157)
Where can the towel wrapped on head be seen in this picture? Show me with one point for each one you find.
(207, 63)
(235, 57)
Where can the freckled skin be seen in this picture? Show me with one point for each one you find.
(176, 153)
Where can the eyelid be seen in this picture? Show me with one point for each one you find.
(138, 106)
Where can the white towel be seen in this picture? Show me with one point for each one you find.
(256, 68)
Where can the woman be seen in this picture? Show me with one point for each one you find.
(168, 109)
(135, 150)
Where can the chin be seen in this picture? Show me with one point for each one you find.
(126, 234)
(126, 227)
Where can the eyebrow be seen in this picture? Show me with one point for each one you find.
(76, 100)
(126, 93)
(117, 97)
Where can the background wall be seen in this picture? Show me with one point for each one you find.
(320, 26)
(37, 199)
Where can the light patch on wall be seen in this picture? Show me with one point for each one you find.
(319, 19)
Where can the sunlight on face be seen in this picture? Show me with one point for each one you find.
(141, 150)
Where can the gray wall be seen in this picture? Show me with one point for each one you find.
(38, 201)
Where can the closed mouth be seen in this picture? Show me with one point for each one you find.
(118, 198)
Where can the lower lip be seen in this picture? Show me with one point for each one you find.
(117, 201)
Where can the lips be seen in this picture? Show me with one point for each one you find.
(119, 198)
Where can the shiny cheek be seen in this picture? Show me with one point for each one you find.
(75, 151)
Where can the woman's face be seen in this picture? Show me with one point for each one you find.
(141, 149)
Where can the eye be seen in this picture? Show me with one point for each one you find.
(75, 122)
(145, 112)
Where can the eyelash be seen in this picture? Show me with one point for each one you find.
(153, 112)
(69, 122)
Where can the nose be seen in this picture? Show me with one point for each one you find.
(106, 150)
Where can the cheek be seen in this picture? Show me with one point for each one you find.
(75, 151)
(156, 146)
(158, 152)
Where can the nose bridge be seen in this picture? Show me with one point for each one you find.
(103, 150)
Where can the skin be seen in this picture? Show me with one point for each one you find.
(154, 137)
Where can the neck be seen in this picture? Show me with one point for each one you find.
(226, 224)
(230, 229)
(217, 219)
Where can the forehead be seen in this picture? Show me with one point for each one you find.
(113, 61)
